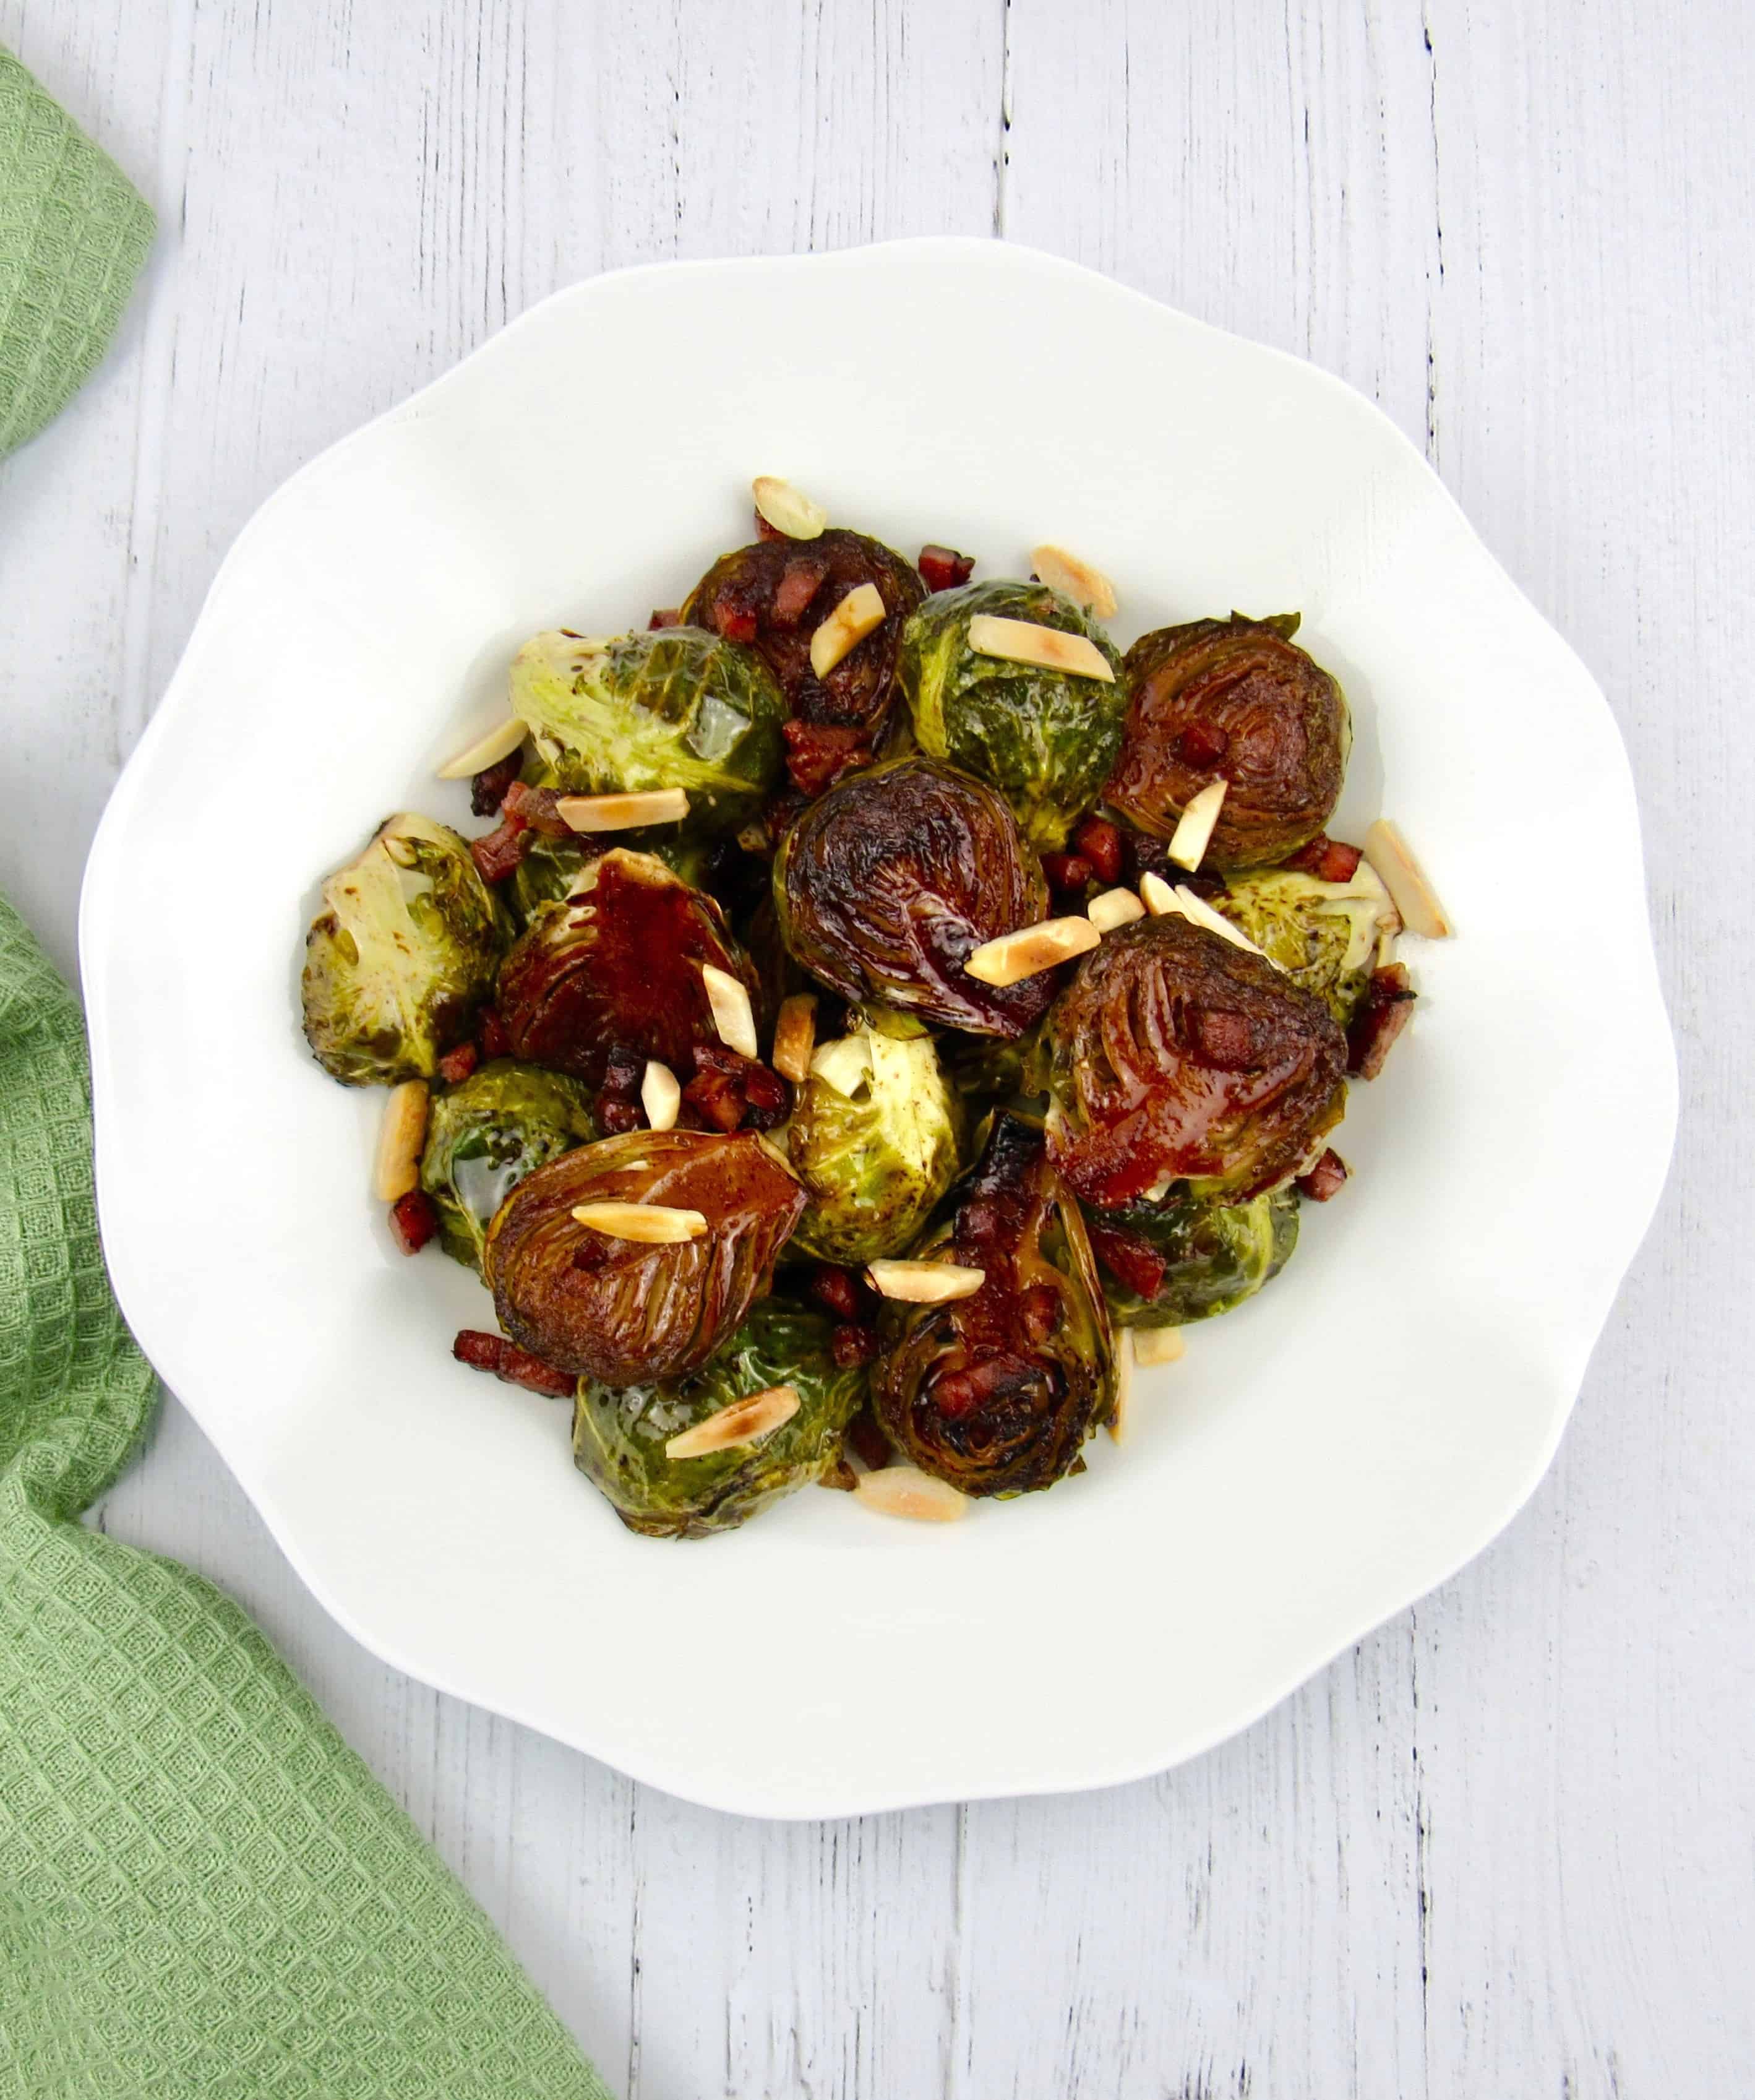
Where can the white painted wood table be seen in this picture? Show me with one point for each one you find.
(1505, 1846)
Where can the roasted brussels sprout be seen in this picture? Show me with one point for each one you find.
(550, 866)
(619, 1433)
(618, 963)
(887, 886)
(873, 1138)
(1323, 935)
(621, 1310)
(1236, 700)
(1165, 1264)
(485, 1134)
(1045, 739)
(1174, 1055)
(401, 955)
(676, 708)
(996, 1393)
(774, 595)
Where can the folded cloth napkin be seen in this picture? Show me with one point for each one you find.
(203, 1891)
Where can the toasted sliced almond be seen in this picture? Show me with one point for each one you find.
(1076, 580)
(845, 1064)
(397, 1168)
(795, 1036)
(852, 621)
(924, 1282)
(1114, 908)
(1123, 1392)
(1032, 948)
(1157, 1345)
(1404, 878)
(906, 1491)
(499, 742)
(656, 1224)
(1022, 641)
(1197, 910)
(660, 1096)
(788, 510)
(623, 812)
(1157, 897)
(743, 1422)
(733, 1017)
(1194, 827)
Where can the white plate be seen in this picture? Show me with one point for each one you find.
(1316, 1461)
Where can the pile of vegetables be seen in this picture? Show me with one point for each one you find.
(874, 994)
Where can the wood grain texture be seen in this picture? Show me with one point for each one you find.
(1504, 1846)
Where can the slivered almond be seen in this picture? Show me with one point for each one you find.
(1157, 897)
(743, 1422)
(1157, 1345)
(1202, 914)
(655, 1224)
(795, 1036)
(733, 1017)
(660, 1096)
(845, 1064)
(1031, 950)
(788, 510)
(906, 1491)
(402, 1133)
(1023, 641)
(924, 1282)
(622, 813)
(1404, 878)
(1114, 908)
(852, 621)
(1194, 827)
(1123, 1392)
(500, 742)
(1076, 580)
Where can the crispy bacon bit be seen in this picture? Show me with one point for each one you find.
(619, 1106)
(1202, 743)
(717, 1097)
(867, 1442)
(818, 754)
(1325, 1178)
(414, 1220)
(1133, 1261)
(733, 616)
(497, 855)
(667, 616)
(508, 1361)
(1069, 873)
(536, 808)
(1223, 1039)
(491, 1035)
(943, 568)
(1386, 1010)
(851, 1343)
(488, 789)
(800, 582)
(1327, 859)
(1099, 842)
(838, 1290)
(729, 1089)
(455, 1065)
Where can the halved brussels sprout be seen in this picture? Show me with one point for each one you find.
(888, 883)
(618, 963)
(1174, 1055)
(619, 1433)
(401, 955)
(1213, 1255)
(623, 1310)
(675, 708)
(1236, 700)
(550, 866)
(1044, 738)
(874, 1138)
(1323, 935)
(485, 1134)
(996, 1393)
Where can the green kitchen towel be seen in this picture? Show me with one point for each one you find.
(204, 1893)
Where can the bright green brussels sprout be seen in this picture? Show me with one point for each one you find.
(676, 709)
(1323, 935)
(1045, 739)
(619, 1433)
(484, 1135)
(1165, 1264)
(403, 952)
(873, 1138)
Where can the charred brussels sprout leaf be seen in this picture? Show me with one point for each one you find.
(621, 1310)
(619, 1433)
(486, 1135)
(1214, 1255)
(1323, 935)
(1235, 700)
(676, 708)
(551, 866)
(401, 955)
(996, 1393)
(888, 883)
(1044, 738)
(1173, 1056)
(873, 1138)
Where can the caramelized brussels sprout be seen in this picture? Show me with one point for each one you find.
(623, 1310)
(873, 1138)
(485, 1134)
(550, 866)
(676, 708)
(1165, 1264)
(1044, 738)
(618, 963)
(619, 1433)
(996, 1393)
(1174, 1055)
(1234, 700)
(887, 886)
(403, 953)
(1323, 935)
